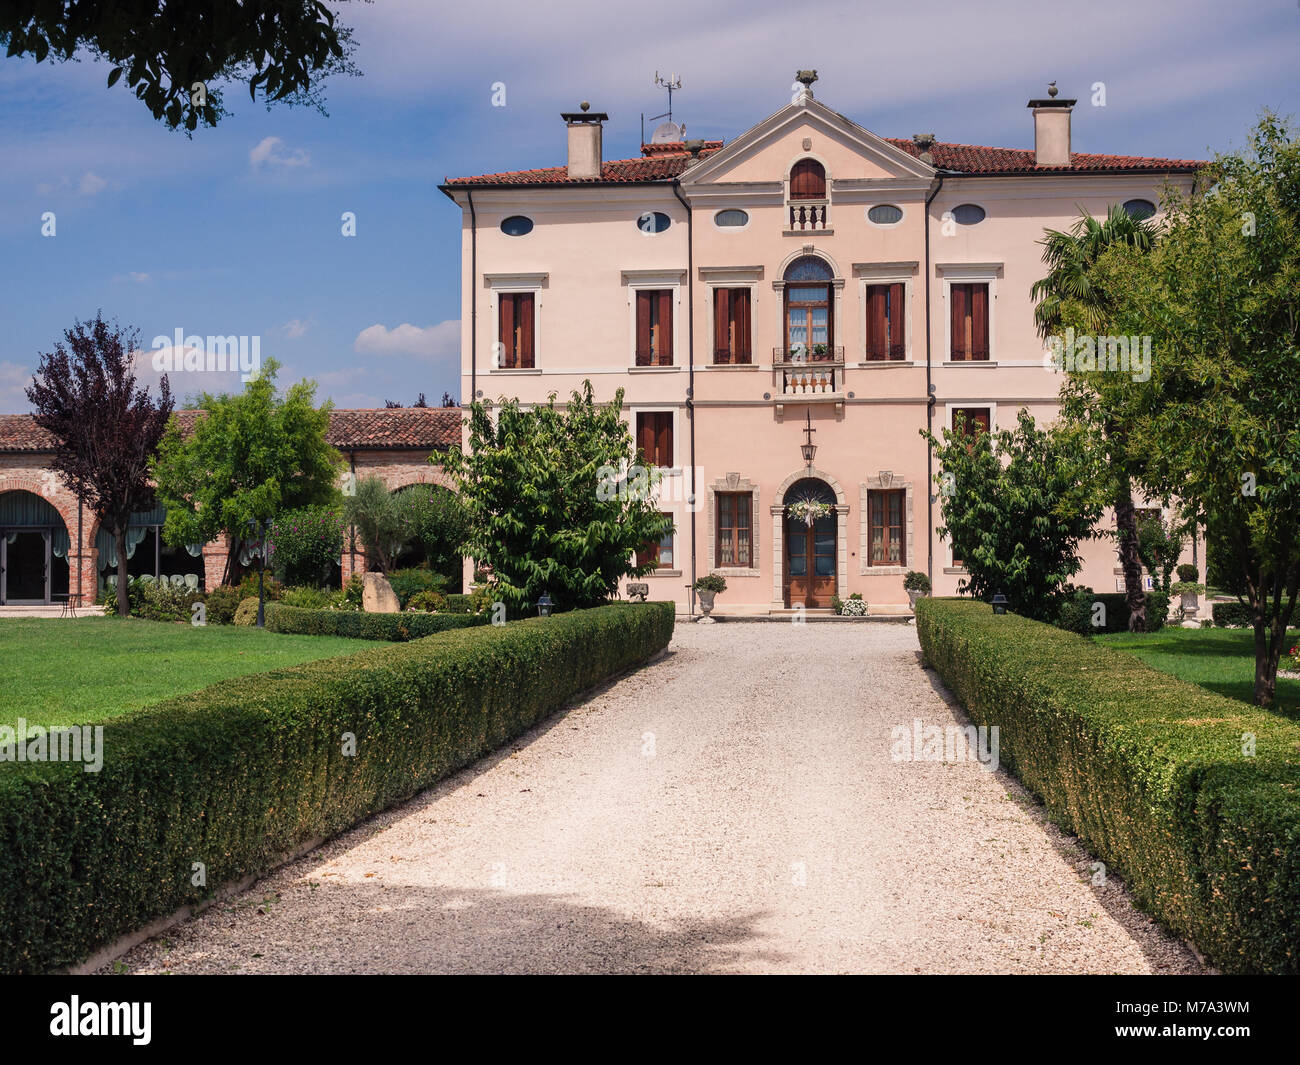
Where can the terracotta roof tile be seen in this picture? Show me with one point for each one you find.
(662, 162)
(414, 428)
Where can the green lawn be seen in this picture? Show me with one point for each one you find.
(63, 672)
(1222, 660)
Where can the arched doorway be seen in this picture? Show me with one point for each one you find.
(34, 547)
(811, 543)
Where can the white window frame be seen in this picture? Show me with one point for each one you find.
(501, 284)
(655, 280)
(675, 470)
(887, 276)
(753, 364)
(963, 274)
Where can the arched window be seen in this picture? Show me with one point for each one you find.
(807, 180)
(809, 324)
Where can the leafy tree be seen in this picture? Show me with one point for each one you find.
(306, 545)
(253, 456)
(554, 500)
(106, 428)
(1015, 506)
(384, 520)
(282, 48)
(1073, 295)
(1219, 420)
(441, 527)
(1160, 545)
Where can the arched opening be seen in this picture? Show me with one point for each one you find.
(148, 554)
(811, 540)
(809, 321)
(435, 544)
(807, 180)
(34, 546)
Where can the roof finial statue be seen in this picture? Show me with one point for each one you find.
(1052, 90)
(806, 78)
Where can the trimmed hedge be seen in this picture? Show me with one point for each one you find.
(362, 626)
(1234, 613)
(1147, 769)
(1076, 612)
(238, 775)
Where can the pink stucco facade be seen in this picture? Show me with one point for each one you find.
(737, 428)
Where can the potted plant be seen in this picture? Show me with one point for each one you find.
(853, 607)
(707, 587)
(1189, 589)
(917, 586)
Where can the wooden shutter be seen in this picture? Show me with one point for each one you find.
(877, 327)
(979, 327)
(958, 295)
(645, 437)
(897, 315)
(665, 352)
(643, 353)
(740, 315)
(664, 438)
(722, 350)
(807, 180)
(524, 315)
(506, 328)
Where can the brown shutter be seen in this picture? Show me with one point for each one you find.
(957, 294)
(722, 349)
(665, 438)
(643, 327)
(524, 312)
(807, 180)
(979, 322)
(665, 327)
(879, 326)
(740, 301)
(645, 437)
(897, 316)
(506, 331)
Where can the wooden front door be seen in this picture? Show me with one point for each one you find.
(810, 561)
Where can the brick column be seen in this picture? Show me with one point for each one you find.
(214, 561)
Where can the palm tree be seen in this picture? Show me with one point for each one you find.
(1070, 289)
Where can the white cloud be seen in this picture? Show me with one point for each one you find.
(91, 184)
(433, 342)
(295, 327)
(271, 152)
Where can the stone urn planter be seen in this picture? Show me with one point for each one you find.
(913, 594)
(917, 586)
(707, 588)
(1191, 606)
(1189, 591)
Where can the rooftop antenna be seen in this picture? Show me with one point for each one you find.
(668, 132)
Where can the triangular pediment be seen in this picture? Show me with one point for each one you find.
(807, 127)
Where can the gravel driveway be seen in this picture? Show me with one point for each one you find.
(733, 807)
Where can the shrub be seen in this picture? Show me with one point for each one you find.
(162, 602)
(1077, 611)
(240, 774)
(457, 603)
(246, 612)
(135, 587)
(362, 626)
(711, 582)
(1229, 615)
(1147, 769)
(308, 598)
(916, 581)
(351, 596)
(1188, 572)
(854, 607)
(426, 601)
(408, 582)
(222, 602)
(306, 545)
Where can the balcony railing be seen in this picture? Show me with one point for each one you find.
(808, 214)
(812, 379)
(800, 353)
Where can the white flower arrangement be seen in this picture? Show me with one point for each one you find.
(854, 608)
(809, 510)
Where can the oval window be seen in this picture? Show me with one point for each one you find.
(517, 226)
(968, 214)
(1139, 209)
(885, 214)
(653, 222)
(731, 219)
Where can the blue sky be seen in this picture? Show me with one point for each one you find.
(237, 231)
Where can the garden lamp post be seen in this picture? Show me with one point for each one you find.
(544, 605)
(258, 531)
(999, 603)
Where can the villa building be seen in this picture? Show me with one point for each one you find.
(808, 282)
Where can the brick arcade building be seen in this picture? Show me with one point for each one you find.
(51, 544)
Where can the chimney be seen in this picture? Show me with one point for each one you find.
(584, 142)
(1052, 129)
